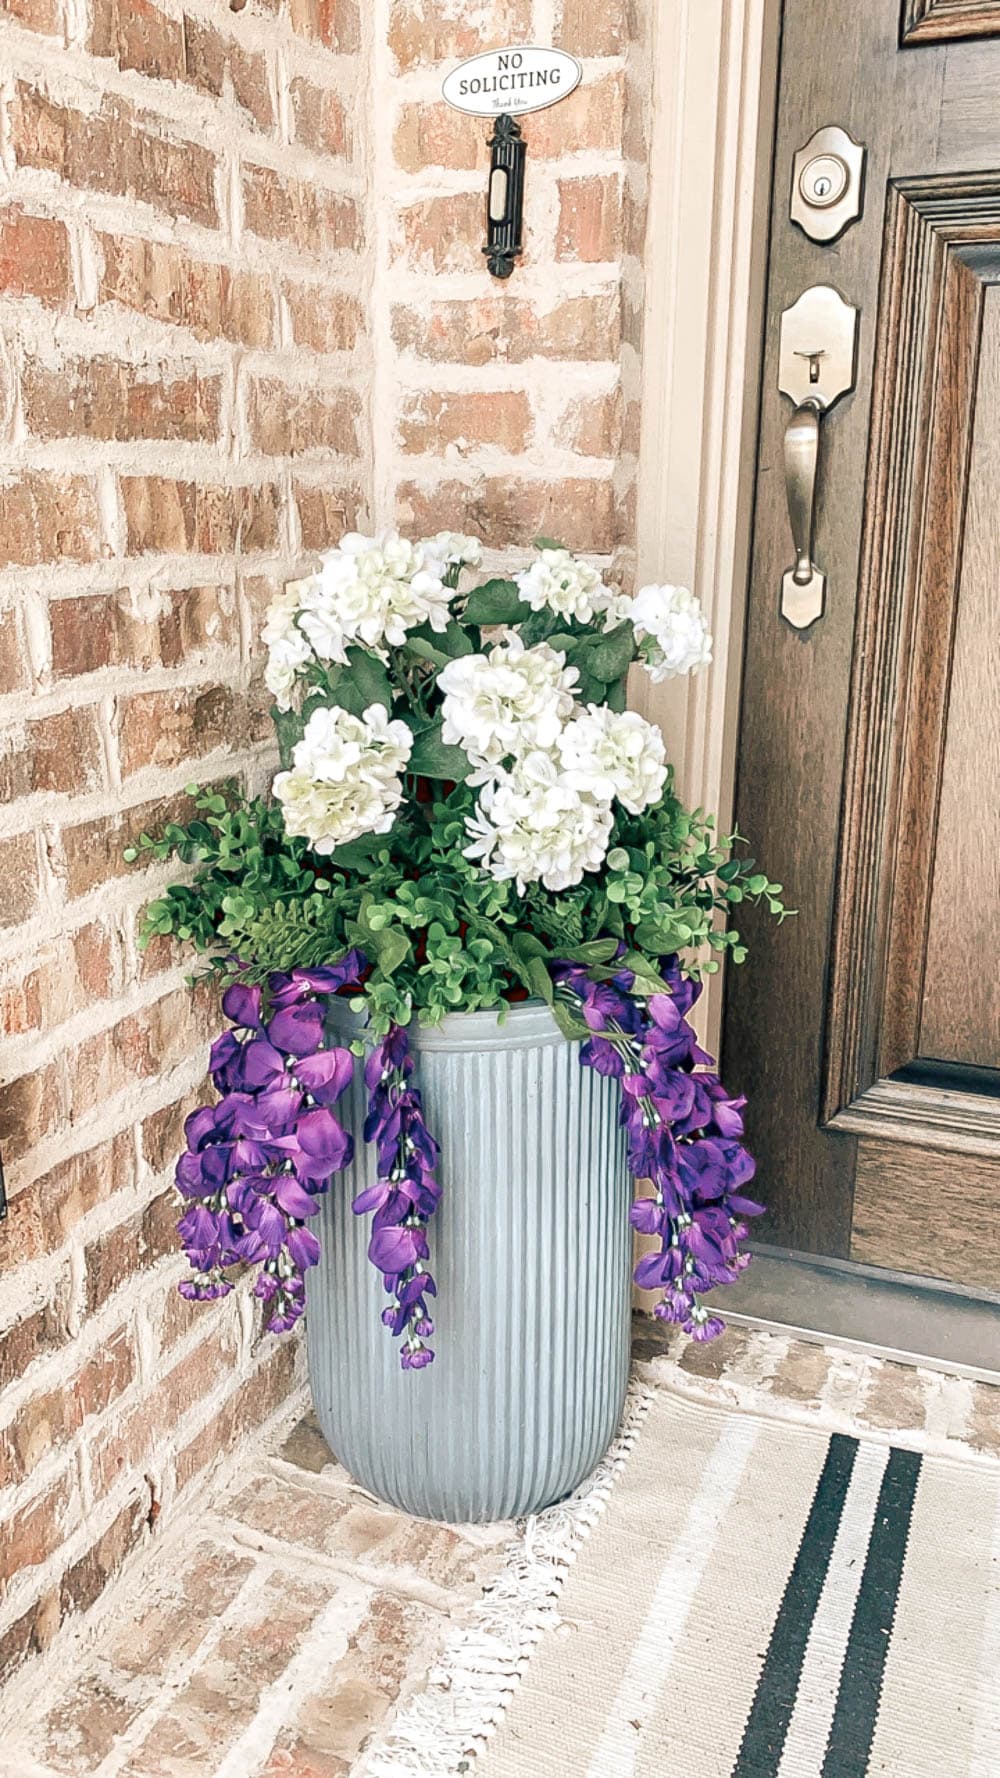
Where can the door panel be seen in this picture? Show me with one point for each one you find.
(866, 1029)
(937, 21)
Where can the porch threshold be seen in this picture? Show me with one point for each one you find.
(866, 1310)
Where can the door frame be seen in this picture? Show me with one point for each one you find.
(710, 163)
(710, 148)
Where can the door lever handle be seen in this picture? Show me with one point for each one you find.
(801, 463)
(815, 367)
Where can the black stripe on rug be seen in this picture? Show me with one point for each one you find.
(774, 1699)
(856, 1712)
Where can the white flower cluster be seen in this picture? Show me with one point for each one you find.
(369, 590)
(345, 777)
(556, 581)
(670, 626)
(550, 769)
(506, 702)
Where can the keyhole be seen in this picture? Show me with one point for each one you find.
(822, 186)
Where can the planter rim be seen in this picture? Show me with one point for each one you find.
(528, 1025)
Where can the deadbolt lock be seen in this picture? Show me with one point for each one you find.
(827, 183)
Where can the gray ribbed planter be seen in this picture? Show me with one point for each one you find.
(530, 1249)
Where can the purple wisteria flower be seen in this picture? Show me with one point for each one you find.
(405, 1195)
(256, 1162)
(683, 1132)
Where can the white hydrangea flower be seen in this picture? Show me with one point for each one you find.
(556, 581)
(614, 754)
(533, 826)
(372, 590)
(288, 651)
(345, 777)
(453, 547)
(671, 622)
(506, 702)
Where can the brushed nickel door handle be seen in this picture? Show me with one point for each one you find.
(801, 463)
(815, 367)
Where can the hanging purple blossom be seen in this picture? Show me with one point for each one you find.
(683, 1132)
(257, 1162)
(405, 1195)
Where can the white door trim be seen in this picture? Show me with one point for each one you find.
(714, 88)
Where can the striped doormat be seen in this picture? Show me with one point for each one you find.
(763, 1600)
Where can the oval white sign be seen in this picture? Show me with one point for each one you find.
(511, 80)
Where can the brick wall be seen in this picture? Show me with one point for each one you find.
(243, 305)
(184, 404)
(500, 408)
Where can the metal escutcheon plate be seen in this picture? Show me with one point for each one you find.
(827, 184)
(802, 605)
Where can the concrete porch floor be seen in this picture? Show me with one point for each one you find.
(276, 1632)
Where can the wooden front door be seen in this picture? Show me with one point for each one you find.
(867, 1029)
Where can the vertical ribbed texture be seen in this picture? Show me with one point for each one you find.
(530, 1249)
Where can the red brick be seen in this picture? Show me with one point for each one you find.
(60, 753)
(92, 852)
(506, 329)
(213, 61)
(333, 22)
(163, 1131)
(19, 876)
(29, 1634)
(242, 1412)
(430, 134)
(324, 320)
(505, 512)
(181, 518)
(31, 1107)
(87, 1578)
(122, 1252)
(15, 670)
(424, 32)
(161, 280)
(592, 27)
(47, 1422)
(443, 234)
(115, 149)
(138, 36)
(35, 1335)
(128, 1446)
(140, 1046)
(307, 216)
(589, 229)
(319, 118)
(325, 513)
(34, 256)
(592, 117)
(430, 422)
(98, 630)
(164, 728)
(285, 422)
(48, 1210)
(592, 426)
(102, 398)
(35, 15)
(35, 1531)
(47, 517)
(71, 973)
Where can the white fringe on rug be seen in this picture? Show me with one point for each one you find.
(439, 1730)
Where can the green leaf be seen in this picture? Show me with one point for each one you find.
(290, 725)
(548, 543)
(364, 681)
(609, 656)
(495, 602)
(391, 947)
(541, 981)
(431, 758)
(357, 855)
(571, 1027)
(426, 651)
(597, 950)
